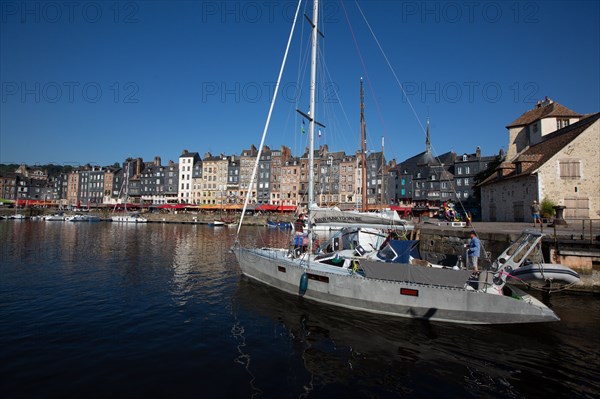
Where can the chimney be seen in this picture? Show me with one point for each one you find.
(157, 161)
(478, 152)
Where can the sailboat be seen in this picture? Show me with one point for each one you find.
(389, 288)
(17, 215)
(127, 217)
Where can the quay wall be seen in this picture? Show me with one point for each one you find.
(581, 255)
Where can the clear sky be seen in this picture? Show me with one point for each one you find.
(99, 81)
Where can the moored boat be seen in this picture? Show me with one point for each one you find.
(83, 218)
(544, 275)
(133, 218)
(373, 280)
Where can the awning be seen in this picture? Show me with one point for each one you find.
(210, 206)
(23, 202)
(266, 207)
(286, 208)
(173, 206)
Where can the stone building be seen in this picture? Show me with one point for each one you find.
(563, 167)
(247, 161)
(278, 159)
(530, 128)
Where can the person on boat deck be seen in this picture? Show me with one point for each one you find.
(299, 226)
(474, 251)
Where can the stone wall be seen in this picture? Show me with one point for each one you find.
(566, 191)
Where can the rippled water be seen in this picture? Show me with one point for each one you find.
(101, 309)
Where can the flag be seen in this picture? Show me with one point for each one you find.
(303, 126)
(319, 133)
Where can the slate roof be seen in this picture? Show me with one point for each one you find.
(537, 155)
(551, 109)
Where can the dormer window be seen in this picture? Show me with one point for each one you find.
(561, 122)
(465, 157)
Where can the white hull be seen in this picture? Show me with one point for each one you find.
(129, 219)
(82, 218)
(55, 218)
(545, 273)
(339, 287)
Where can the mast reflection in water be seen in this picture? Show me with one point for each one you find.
(157, 310)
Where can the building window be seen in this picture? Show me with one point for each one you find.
(570, 169)
(561, 122)
(459, 170)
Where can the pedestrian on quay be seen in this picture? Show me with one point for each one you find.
(535, 213)
(474, 249)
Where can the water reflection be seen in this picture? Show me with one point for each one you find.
(387, 356)
(162, 308)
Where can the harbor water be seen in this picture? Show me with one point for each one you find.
(161, 310)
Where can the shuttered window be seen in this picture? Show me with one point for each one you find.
(570, 169)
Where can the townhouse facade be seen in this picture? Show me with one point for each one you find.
(187, 160)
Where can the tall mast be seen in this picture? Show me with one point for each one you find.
(312, 108)
(382, 171)
(313, 119)
(363, 140)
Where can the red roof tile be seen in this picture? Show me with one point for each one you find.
(536, 155)
(541, 110)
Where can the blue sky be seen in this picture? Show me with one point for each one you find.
(97, 82)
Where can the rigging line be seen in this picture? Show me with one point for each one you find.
(390, 66)
(294, 104)
(326, 70)
(405, 96)
(264, 135)
(301, 72)
(365, 71)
